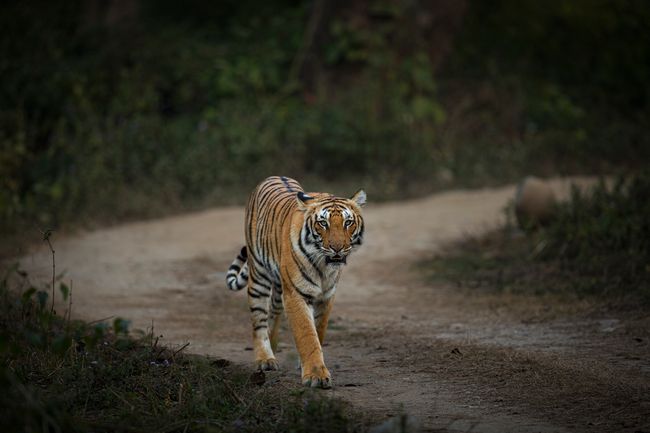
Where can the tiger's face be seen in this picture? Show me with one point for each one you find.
(334, 225)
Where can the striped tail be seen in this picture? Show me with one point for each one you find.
(237, 275)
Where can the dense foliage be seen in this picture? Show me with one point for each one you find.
(120, 109)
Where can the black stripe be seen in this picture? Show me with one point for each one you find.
(264, 277)
(250, 209)
(263, 286)
(260, 309)
(260, 264)
(244, 252)
(257, 294)
(286, 183)
(254, 203)
(307, 296)
(264, 235)
(234, 268)
(301, 268)
(262, 199)
(304, 252)
(258, 327)
(310, 233)
(282, 216)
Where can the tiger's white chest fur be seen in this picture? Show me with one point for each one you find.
(330, 279)
(325, 282)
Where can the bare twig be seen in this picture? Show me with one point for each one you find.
(100, 320)
(152, 341)
(160, 351)
(56, 369)
(248, 406)
(122, 398)
(233, 393)
(46, 237)
(70, 303)
(182, 347)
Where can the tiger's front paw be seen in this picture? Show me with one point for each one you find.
(267, 364)
(317, 377)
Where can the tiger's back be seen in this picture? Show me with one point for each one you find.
(267, 215)
(267, 212)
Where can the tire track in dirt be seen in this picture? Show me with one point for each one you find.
(455, 362)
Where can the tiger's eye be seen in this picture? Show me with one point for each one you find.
(323, 223)
(348, 223)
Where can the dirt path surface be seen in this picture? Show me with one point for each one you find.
(454, 361)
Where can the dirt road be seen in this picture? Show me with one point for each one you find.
(454, 361)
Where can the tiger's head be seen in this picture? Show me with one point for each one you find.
(333, 226)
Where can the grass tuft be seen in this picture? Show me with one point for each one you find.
(58, 375)
(598, 244)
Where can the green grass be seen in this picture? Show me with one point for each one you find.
(598, 244)
(58, 375)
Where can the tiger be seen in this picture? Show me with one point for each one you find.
(296, 246)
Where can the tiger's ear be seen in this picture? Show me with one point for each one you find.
(359, 198)
(303, 199)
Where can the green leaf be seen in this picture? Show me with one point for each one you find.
(4, 343)
(42, 296)
(65, 291)
(124, 343)
(98, 334)
(100, 329)
(61, 344)
(121, 326)
(28, 294)
(35, 339)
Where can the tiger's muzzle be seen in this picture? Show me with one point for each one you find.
(336, 259)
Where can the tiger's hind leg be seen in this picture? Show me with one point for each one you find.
(276, 317)
(259, 295)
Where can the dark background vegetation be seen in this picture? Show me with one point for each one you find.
(123, 109)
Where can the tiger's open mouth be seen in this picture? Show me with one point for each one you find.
(336, 259)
